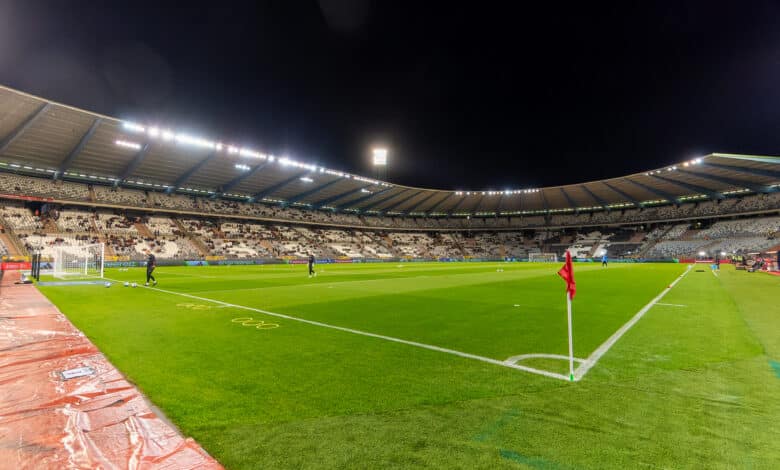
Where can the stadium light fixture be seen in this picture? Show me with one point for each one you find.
(131, 126)
(130, 145)
(242, 167)
(307, 179)
(380, 156)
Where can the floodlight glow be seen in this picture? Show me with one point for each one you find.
(380, 156)
(702, 253)
(131, 126)
(242, 167)
(249, 153)
(364, 190)
(168, 135)
(307, 180)
(154, 132)
(232, 150)
(131, 145)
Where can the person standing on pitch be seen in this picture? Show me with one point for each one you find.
(151, 263)
(311, 265)
(604, 260)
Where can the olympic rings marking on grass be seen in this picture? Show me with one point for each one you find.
(195, 306)
(259, 324)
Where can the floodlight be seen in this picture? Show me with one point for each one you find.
(242, 167)
(702, 253)
(132, 145)
(306, 180)
(380, 156)
(723, 253)
(133, 127)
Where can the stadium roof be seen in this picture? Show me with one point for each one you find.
(41, 137)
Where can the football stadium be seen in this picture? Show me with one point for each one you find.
(176, 300)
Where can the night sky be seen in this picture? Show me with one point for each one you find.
(466, 95)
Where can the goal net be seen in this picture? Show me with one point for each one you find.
(79, 261)
(542, 257)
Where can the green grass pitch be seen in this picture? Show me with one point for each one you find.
(694, 384)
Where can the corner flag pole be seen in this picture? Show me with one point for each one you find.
(571, 343)
(567, 273)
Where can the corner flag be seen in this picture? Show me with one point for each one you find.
(567, 273)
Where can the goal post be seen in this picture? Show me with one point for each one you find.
(79, 261)
(542, 257)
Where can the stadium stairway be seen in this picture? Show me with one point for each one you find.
(14, 243)
(143, 230)
(11, 243)
(50, 226)
(67, 405)
(203, 250)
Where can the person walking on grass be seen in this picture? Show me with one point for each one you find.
(151, 263)
(604, 260)
(311, 265)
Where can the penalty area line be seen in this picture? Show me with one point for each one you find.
(580, 372)
(430, 347)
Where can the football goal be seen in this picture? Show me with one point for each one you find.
(542, 257)
(79, 261)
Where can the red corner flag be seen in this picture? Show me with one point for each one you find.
(567, 273)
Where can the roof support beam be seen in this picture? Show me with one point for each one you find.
(739, 169)
(364, 198)
(383, 200)
(691, 187)
(332, 199)
(625, 195)
(479, 203)
(276, 187)
(135, 162)
(21, 128)
(657, 192)
(456, 206)
(498, 204)
(544, 201)
(188, 174)
(722, 179)
(68, 160)
(568, 198)
(598, 200)
(439, 204)
(312, 191)
(399, 203)
(421, 202)
(243, 176)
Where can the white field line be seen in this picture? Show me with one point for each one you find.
(372, 335)
(671, 305)
(522, 357)
(714, 273)
(601, 350)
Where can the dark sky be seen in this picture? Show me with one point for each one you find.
(467, 95)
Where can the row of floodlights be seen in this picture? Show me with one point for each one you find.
(182, 138)
(497, 193)
(695, 161)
